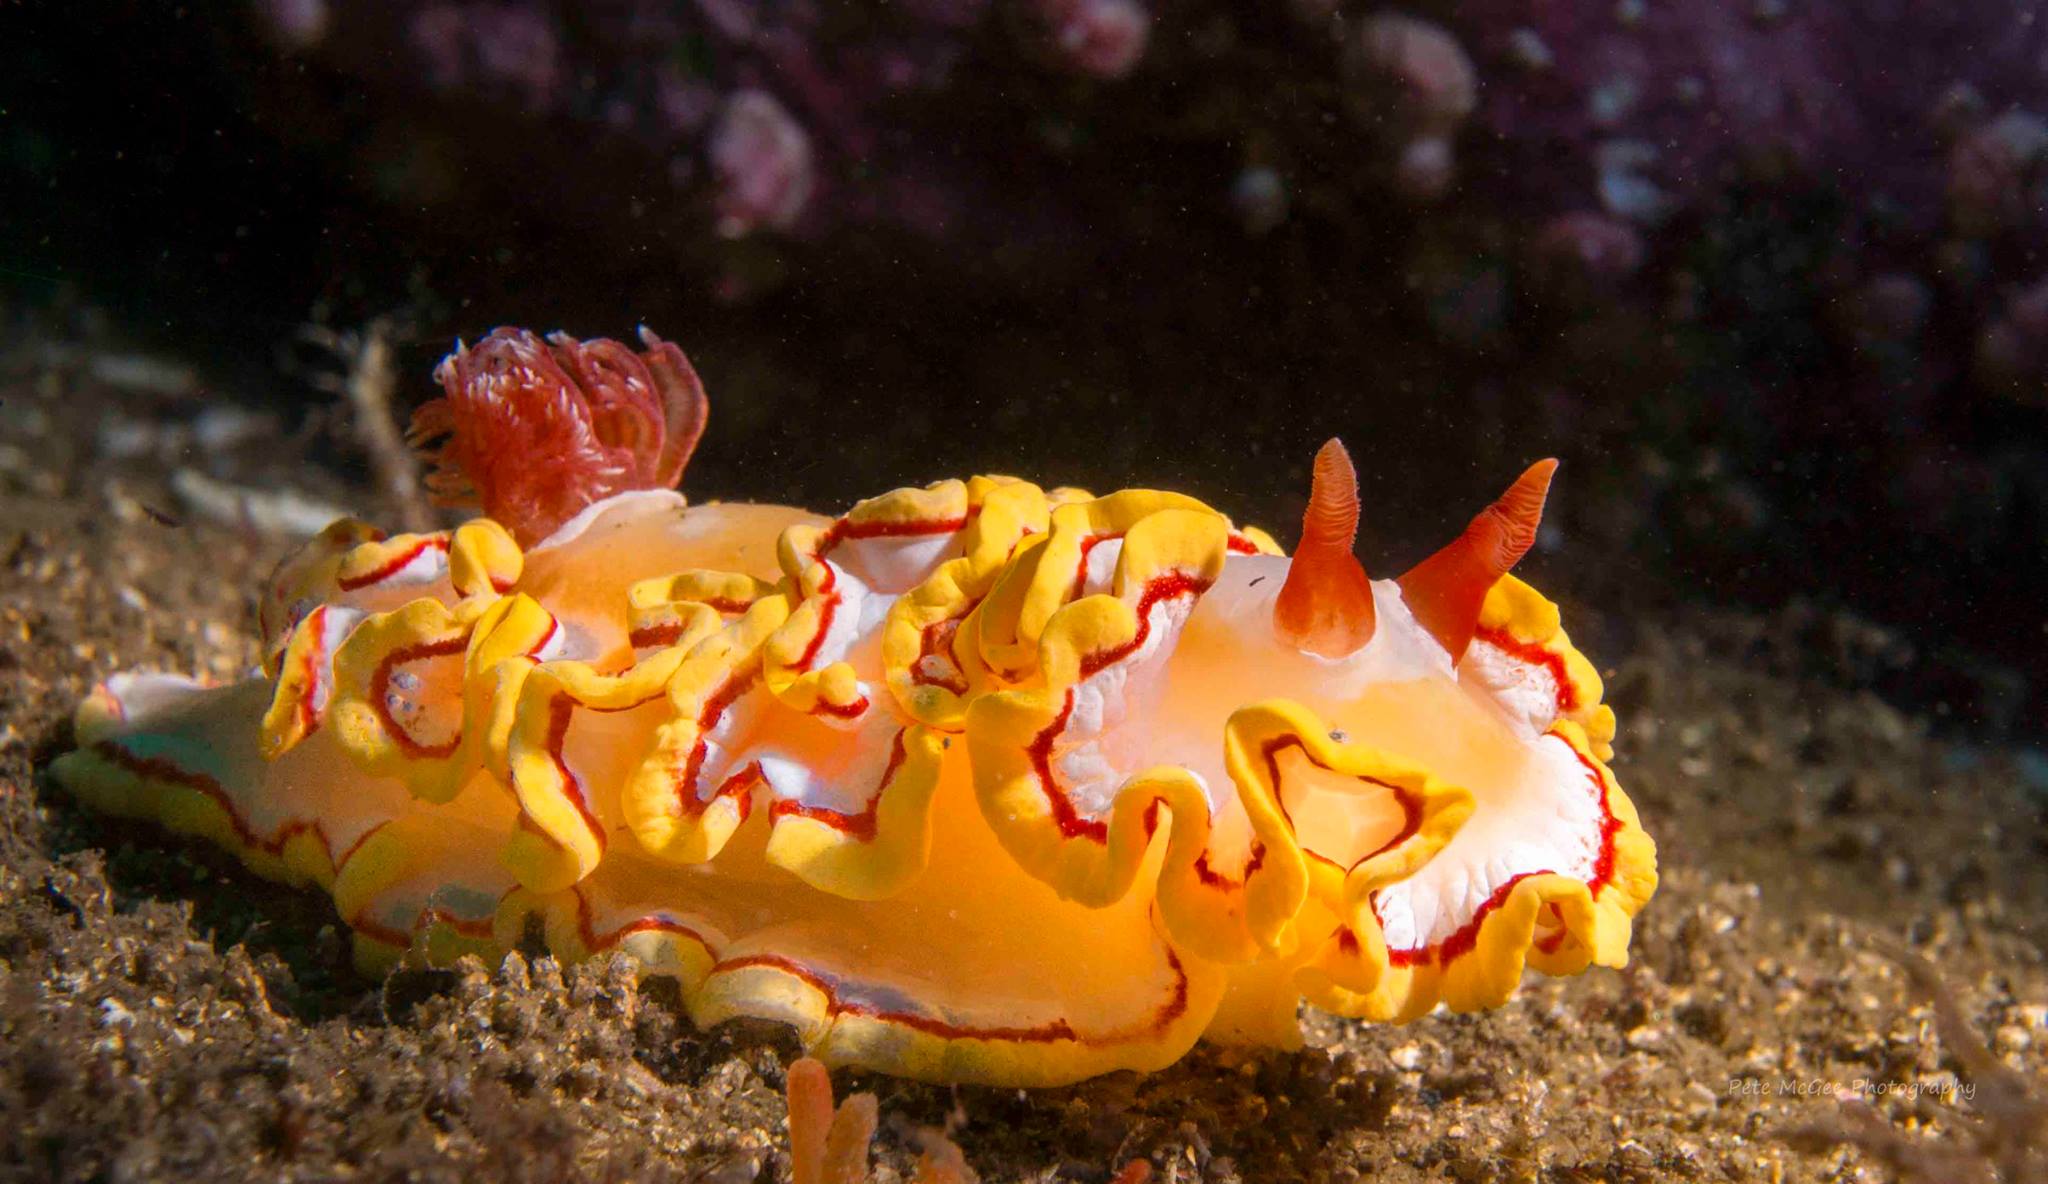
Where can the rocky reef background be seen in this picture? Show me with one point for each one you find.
(1768, 275)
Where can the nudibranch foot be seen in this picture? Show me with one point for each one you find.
(976, 781)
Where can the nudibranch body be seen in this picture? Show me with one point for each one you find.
(974, 782)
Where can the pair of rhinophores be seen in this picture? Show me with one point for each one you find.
(974, 782)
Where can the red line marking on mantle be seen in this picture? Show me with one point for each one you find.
(1166, 587)
(169, 772)
(1070, 822)
(560, 712)
(1046, 1033)
(380, 691)
(310, 713)
(594, 941)
(841, 531)
(688, 803)
(1411, 805)
(668, 632)
(395, 564)
(1535, 655)
(861, 826)
(1466, 937)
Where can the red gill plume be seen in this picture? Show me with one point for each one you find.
(1446, 590)
(1325, 607)
(533, 431)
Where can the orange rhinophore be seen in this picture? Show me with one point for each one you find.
(977, 781)
(1446, 590)
(1325, 607)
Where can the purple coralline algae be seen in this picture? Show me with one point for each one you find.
(1644, 106)
(1412, 86)
(761, 160)
(2012, 351)
(1104, 38)
(1587, 253)
(784, 115)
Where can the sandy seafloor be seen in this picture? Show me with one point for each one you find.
(166, 1015)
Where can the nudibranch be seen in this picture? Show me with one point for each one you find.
(979, 781)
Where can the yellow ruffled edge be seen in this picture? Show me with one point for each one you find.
(847, 1032)
(1225, 915)
(482, 559)
(875, 854)
(787, 662)
(713, 674)
(1480, 967)
(483, 563)
(351, 558)
(699, 625)
(510, 697)
(706, 669)
(677, 609)
(484, 634)
(1009, 736)
(395, 852)
(305, 577)
(380, 745)
(985, 670)
(561, 837)
(1592, 929)
(1288, 873)
(864, 856)
(113, 781)
(1006, 512)
(1346, 969)
(304, 673)
(514, 705)
(1026, 595)
(1528, 626)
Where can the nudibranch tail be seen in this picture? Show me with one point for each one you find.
(1447, 590)
(1326, 607)
(534, 431)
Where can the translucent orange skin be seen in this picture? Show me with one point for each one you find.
(974, 782)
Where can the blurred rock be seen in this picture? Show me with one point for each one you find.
(1259, 197)
(1104, 38)
(294, 24)
(1862, 87)
(761, 158)
(2012, 351)
(1410, 84)
(1586, 255)
(1996, 178)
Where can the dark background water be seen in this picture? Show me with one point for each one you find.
(1797, 353)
